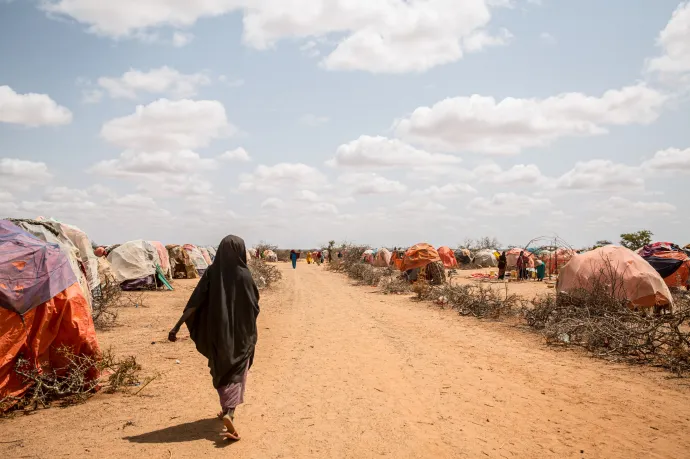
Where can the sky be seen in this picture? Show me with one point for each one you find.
(381, 122)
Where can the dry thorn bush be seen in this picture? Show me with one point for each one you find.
(263, 274)
(73, 383)
(600, 321)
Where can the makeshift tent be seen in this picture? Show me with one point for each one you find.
(637, 282)
(42, 309)
(270, 255)
(211, 252)
(382, 258)
(134, 265)
(513, 254)
(82, 242)
(206, 255)
(670, 261)
(463, 256)
(249, 255)
(368, 256)
(556, 259)
(397, 258)
(418, 256)
(447, 257)
(197, 258)
(52, 233)
(180, 263)
(486, 259)
(163, 257)
(653, 248)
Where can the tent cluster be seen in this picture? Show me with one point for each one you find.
(670, 261)
(44, 301)
(52, 275)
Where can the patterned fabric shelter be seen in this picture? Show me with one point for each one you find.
(418, 256)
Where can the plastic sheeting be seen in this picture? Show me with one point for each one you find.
(270, 255)
(180, 263)
(641, 285)
(63, 320)
(31, 271)
(674, 267)
(447, 257)
(133, 260)
(163, 257)
(513, 254)
(51, 232)
(82, 242)
(206, 255)
(486, 259)
(368, 256)
(382, 258)
(418, 256)
(197, 258)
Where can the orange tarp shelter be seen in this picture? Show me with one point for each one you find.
(641, 285)
(447, 257)
(418, 256)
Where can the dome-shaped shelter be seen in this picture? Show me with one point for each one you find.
(447, 257)
(628, 275)
(486, 259)
(418, 256)
(382, 258)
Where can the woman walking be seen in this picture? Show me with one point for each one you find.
(221, 318)
(502, 263)
(293, 258)
(521, 268)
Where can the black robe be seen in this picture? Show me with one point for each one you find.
(226, 304)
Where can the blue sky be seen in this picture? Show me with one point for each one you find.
(383, 122)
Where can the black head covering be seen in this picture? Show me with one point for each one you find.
(226, 300)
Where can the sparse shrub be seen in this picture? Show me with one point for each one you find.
(605, 325)
(73, 383)
(263, 274)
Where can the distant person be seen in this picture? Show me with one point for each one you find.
(309, 258)
(221, 318)
(340, 255)
(521, 266)
(321, 257)
(502, 264)
(293, 257)
(541, 270)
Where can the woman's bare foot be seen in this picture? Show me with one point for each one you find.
(229, 432)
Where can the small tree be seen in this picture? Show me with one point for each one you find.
(637, 240)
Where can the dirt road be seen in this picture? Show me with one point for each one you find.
(344, 372)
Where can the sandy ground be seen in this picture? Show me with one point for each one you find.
(345, 372)
(528, 289)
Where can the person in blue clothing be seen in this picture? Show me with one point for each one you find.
(293, 257)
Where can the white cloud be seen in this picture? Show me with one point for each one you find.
(448, 191)
(617, 207)
(382, 36)
(547, 38)
(181, 39)
(381, 152)
(273, 179)
(238, 154)
(482, 39)
(674, 40)
(91, 96)
(481, 124)
(600, 174)
(520, 174)
(370, 184)
(417, 206)
(160, 81)
(313, 120)
(147, 164)
(169, 125)
(31, 109)
(22, 174)
(670, 160)
(307, 195)
(508, 205)
(233, 83)
(272, 203)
